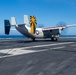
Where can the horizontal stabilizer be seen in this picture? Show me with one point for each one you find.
(7, 26)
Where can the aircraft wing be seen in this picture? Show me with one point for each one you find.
(53, 28)
(58, 27)
(71, 25)
(52, 31)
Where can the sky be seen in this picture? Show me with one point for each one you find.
(48, 12)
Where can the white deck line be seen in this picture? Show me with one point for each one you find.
(48, 45)
(20, 51)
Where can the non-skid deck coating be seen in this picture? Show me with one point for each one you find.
(42, 57)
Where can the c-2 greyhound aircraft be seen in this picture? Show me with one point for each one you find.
(33, 32)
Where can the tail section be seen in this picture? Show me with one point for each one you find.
(7, 26)
(33, 24)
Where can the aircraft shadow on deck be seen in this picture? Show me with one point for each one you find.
(24, 43)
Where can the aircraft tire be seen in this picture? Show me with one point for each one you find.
(54, 38)
(33, 39)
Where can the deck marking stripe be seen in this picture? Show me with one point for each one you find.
(58, 47)
(48, 45)
(19, 51)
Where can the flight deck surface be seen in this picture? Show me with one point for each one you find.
(42, 57)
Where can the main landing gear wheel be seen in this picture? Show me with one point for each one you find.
(33, 39)
(54, 38)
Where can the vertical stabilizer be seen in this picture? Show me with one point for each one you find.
(26, 19)
(7, 26)
(13, 21)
